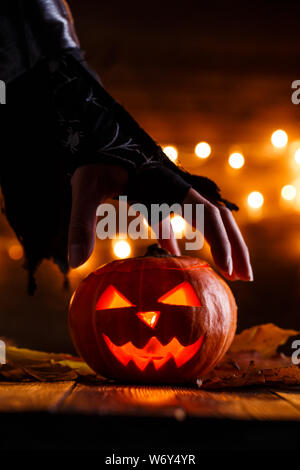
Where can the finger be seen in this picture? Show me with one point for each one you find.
(81, 232)
(91, 185)
(240, 255)
(170, 244)
(214, 231)
(82, 223)
(165, 235)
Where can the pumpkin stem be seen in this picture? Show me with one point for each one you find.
(158, 252)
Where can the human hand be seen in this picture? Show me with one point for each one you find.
(93, 184)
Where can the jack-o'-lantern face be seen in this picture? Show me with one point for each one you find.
(153, 319)
(154, 351)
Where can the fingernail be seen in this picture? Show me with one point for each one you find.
(76, 255)
(250, 276)
(229, 266)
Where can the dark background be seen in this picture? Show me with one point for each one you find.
(214, 71)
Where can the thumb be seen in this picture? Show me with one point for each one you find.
(91, 185)
(82, 226)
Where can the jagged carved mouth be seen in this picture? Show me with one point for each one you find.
(154, 352)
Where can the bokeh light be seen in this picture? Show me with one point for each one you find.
(288, 192)
(236, 160)
(297, 156)
(15, 252)
(203, 150)
(255, 200)
(122, 249)
(178, 224)
(171, 152)
(279, 138)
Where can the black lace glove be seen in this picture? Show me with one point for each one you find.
(95, 128)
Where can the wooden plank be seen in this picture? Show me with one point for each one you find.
(265, 405)
(290, 395)
(258, 404)
(178, 402)
(33, 396)
(124, 400)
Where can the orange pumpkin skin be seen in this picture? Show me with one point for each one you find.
(122, 325)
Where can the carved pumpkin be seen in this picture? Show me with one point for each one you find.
(157, 318)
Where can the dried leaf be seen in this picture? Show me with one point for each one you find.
(79, 366)
(15, 374)
(26, 364)
(51, 373)
(28, 356)
(251, 360)
(264, 339)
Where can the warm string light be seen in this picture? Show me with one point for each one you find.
(178, 225)
(171, 152)
(297, 156)
(236, 160)
(288, 192)
(203, 150)
(255, 200)
(279, 138)
(122, 249)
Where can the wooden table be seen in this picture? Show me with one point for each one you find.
(67, 415)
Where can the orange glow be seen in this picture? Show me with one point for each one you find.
(203, 150)
(150, 318)
(72, 298)
(297, 156)
(15, 252)
(279, 138)
(183, 294)
(288, 192)
(171, 152)
(112, 298)
(152, 396)
(178, 224)
(236, 160)
(85, 267)
(154, 352)
(255, 200)
(122, 249)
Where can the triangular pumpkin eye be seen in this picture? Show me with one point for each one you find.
(112, 298)
(183, 294)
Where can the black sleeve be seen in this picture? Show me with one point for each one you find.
(94, 127)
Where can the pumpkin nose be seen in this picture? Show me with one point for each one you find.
(150, 318)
